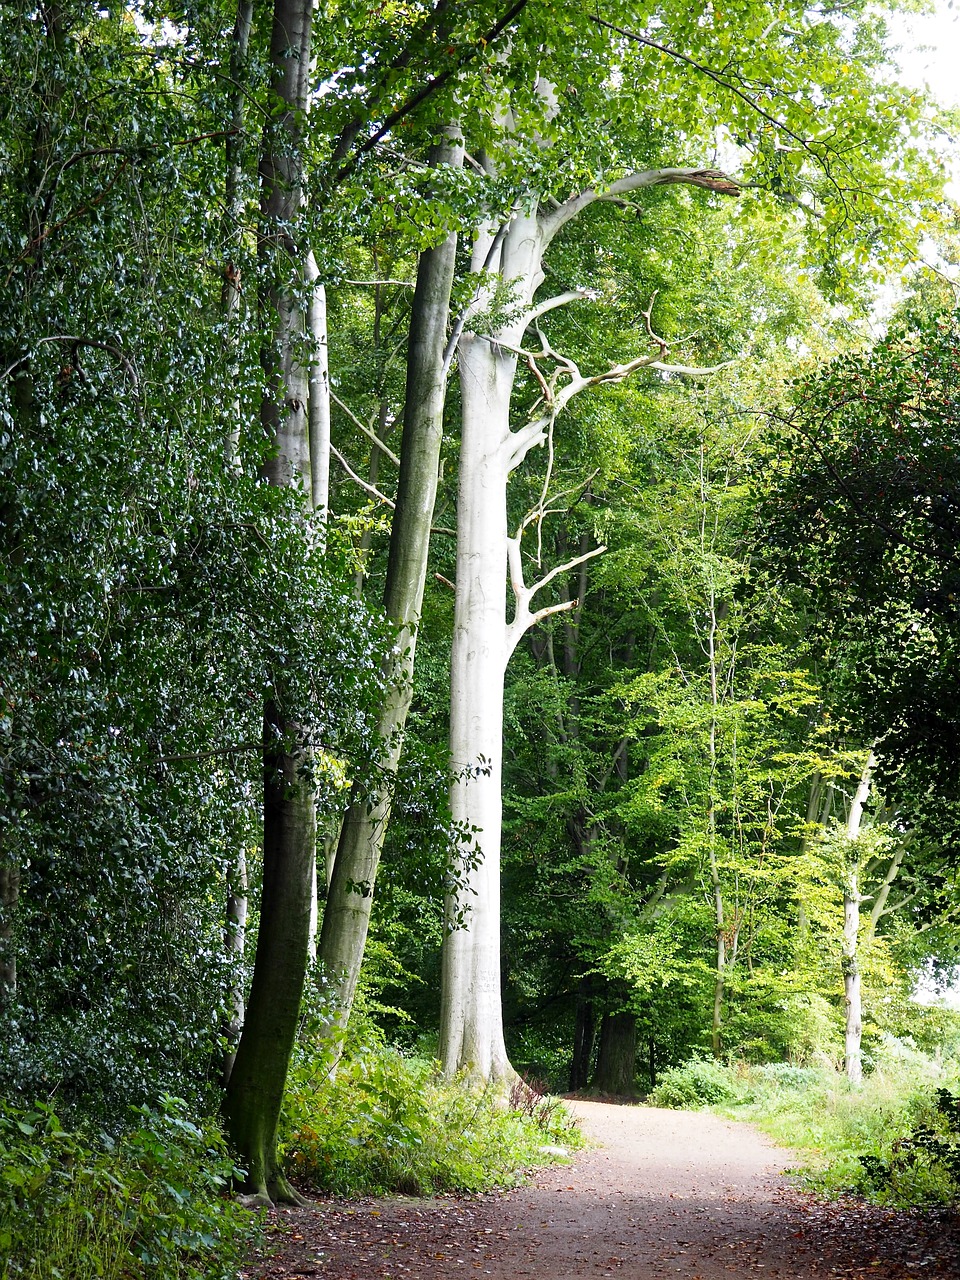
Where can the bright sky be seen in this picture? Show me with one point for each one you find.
(930, 53)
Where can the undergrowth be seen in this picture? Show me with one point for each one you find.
(391, 1123)
(150, 1205)
(894, 1139)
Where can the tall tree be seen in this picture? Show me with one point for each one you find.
(255, 1088)
(347, 910)
(512, 252)
(508, 261)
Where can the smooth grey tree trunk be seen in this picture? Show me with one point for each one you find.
(471, 1018)
(346, 915)
(319, 391)
(233, 223)
(850, 960)
(255, 1089)
(236, 914)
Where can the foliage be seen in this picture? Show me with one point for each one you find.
(924, 1165)
(892, 1139)
(152, 595)
(698, 1083)
(860, 509)
(390, 1123)
(154, 1203)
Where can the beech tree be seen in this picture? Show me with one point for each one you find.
(787, 157)
(347, 909)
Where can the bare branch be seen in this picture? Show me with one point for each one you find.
(691, 371)
(368, 488)
(647, 316)
(523, 618)
(371, 435)
(565, 568)
(373, 284)
(561, 300)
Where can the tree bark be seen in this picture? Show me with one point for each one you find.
(850, 962)
(235, 936)
(617, 1058)
(471, 1019)
(257, 1081)
(346, 916)
(233, 229)
(319, 391)
(236, 914)
(584, 1032)
(255, 1089)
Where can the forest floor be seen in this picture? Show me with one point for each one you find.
(661, 1194)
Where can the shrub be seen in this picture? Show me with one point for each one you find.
(698, 1083)
(151, 1205)
(389, 1123)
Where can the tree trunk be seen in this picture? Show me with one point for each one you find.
(319, 391)
(471, 1018)
(850, 962)
(257, 1081)
(584, 1032)
(235, 935)
(255, 1089)
(233, 227)
(233, 221)
(9, 896)
(346, 915)
(617, 1059)
(716, 886)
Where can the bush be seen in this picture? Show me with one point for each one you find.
(698, 1083)
(151, 1205)
(389, 1123)
(894, 1139)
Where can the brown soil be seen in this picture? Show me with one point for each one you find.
(664, 1194)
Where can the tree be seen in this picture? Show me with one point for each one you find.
(347, 911)
(861, 514)
(149, 589)
(508, 261)
(254, 1090)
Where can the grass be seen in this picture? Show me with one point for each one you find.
(894, 1139)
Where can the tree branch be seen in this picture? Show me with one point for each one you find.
(523, 618)
(371, 435)
(421, 95)
(369, 488)
(561, 300)
(710, 179)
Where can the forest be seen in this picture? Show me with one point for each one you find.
(480, 564)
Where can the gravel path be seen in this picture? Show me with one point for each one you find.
(665, 1194)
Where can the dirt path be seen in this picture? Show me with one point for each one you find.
(666, 1194)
